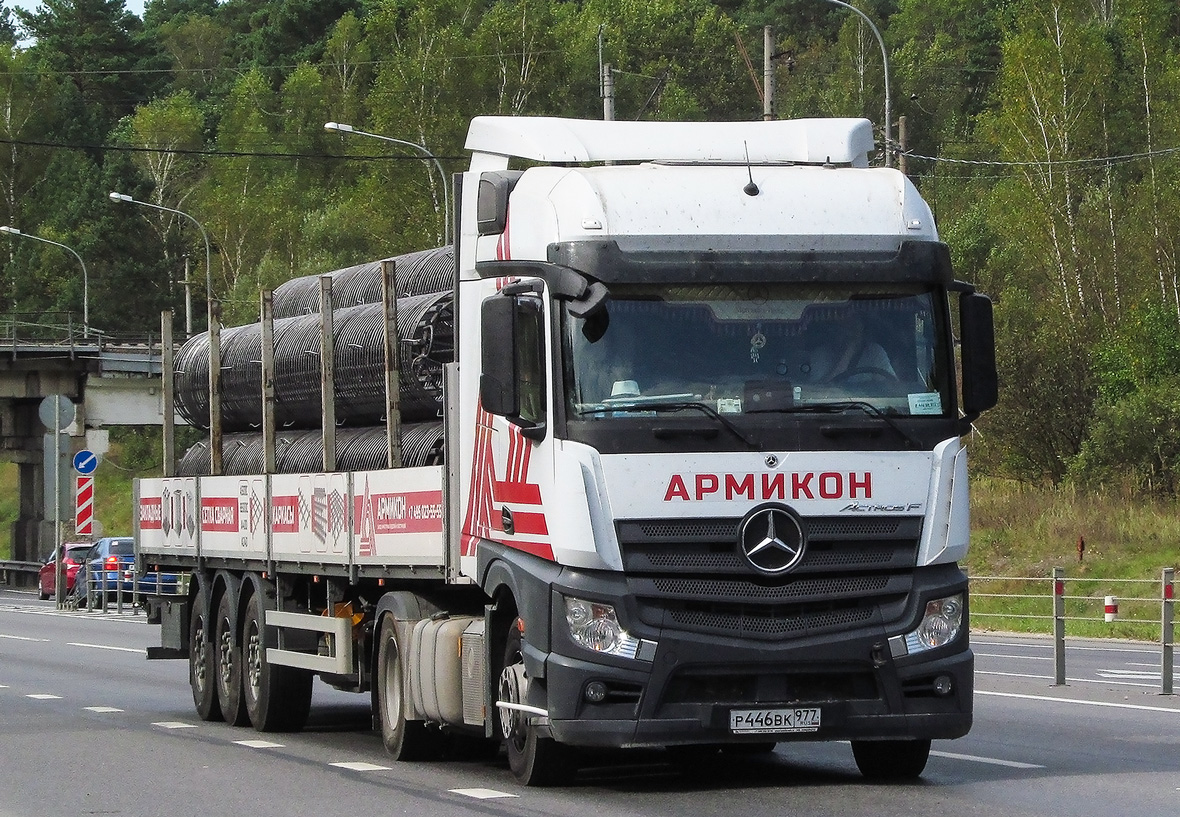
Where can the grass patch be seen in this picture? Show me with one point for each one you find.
(1022, 532)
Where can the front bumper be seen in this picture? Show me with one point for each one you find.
(659, 709)
(685, 693)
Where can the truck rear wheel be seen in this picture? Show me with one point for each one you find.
(200, 660)
(227, 661)
(276, 699)
(891, 759)
(534, 760)
(403, 739)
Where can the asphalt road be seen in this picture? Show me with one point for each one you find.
(89, 727)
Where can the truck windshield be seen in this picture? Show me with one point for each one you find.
(762, 348)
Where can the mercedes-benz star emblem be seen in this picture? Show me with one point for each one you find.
(771, 539)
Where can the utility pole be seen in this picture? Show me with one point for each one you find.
(608, 93)
(768, 72)
(902, 144)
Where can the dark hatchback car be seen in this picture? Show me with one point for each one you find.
(108, 570)
(73, 554)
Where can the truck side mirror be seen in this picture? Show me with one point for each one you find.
(512, 381)
(980, 382)
(497, 381)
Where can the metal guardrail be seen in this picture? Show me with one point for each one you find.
(1096, 602)
(10, 570)
(103, 593)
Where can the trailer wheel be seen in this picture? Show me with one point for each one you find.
(891, 759)
(534, 760)
(200, 660)
(277, 699)
(403, 739)
(227, 661)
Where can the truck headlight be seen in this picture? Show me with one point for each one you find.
(940, 626)
(595, 627)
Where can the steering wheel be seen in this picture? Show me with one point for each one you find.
(872, 372)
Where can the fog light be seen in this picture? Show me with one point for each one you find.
(943, 685)
(595, 692)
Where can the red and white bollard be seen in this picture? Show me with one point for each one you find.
(1112, 608)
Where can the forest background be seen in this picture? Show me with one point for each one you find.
(1044, 133)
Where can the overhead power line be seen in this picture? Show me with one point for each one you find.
(384, 157)
(1098, 160)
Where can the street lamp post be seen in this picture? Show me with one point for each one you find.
(885, 68)
(340, 127)
(123, 197)
(85, 275)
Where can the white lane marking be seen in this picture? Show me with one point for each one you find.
(1068, 680)
(259, 744)
(1138, 675)
(139, 650)
(174, 725)
(1050, 698)
(1020, 657)
(994, 761)
(24, 638)
(102, 710)
(482, 794)
(1068, 647)
(44, 696)
(3, 686)
(360, 766)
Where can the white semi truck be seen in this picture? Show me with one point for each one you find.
(700, 482)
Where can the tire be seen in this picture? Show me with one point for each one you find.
(276, 699)
(534, 760)
(200, 661)
(227, 664)
(403, 739)
(42, 593)
(891, 760)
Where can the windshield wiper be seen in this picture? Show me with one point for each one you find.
(641, 407)
(839, 406)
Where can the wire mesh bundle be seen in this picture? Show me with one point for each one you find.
(426, 330)
(301, 452)
(416, 273)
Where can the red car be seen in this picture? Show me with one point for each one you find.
(74, 555)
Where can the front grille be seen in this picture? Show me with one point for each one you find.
(691, 575)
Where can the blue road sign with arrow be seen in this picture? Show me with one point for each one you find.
(85, 462)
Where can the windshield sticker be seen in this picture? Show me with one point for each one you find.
(929, 402)
(729, 405)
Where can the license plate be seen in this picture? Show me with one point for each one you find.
(768, 721)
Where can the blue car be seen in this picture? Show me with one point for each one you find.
(108, 570)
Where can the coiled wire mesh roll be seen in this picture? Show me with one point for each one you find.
(300, 452)
(425, 327)
(416, 273)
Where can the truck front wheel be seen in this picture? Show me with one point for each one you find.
(403, 739)
(200, 660)
(891, 759)
(534, 760)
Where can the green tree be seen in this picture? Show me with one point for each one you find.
(98, 45)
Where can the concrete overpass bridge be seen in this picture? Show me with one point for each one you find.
(112, 381)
